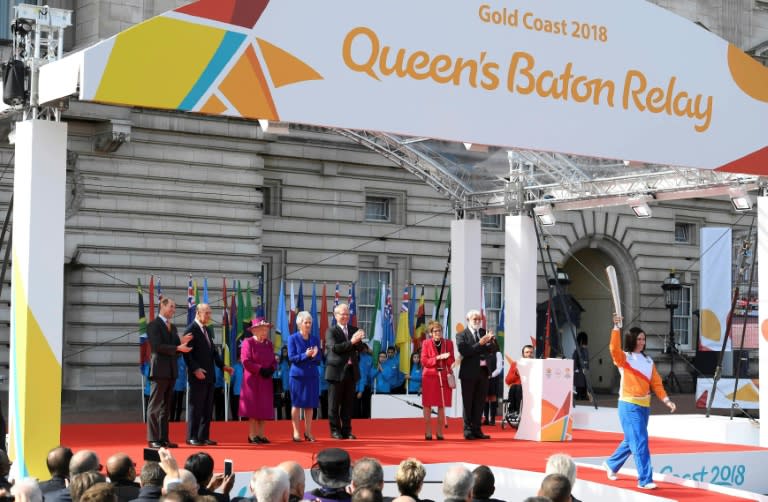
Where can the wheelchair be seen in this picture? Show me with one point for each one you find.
(509, 417)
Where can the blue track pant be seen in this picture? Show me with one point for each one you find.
(634, 422)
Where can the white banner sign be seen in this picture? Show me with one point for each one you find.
(715, 287)
(624, 80)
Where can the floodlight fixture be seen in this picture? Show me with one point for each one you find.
(639, 206)
(545, 215)
(740, 199)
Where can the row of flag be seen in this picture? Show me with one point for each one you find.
(406, 331)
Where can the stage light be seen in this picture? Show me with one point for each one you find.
(640, 207)
(740, 199)
(544, 215)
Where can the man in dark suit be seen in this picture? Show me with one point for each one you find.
(474, 345)
(121, 471)
(164, 343)
(151, 480)
(58, 465)
(201, 376)
(342, 346)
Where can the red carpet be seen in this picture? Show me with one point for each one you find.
(390, 441)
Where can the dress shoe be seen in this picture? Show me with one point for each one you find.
(335, 435)
(254, 440)
(309, 437)
(480, 435)
(440, 437)
(350, 436)
(195, 442)
(210, 442)
(156, 444)
(428, 437)
(262, 439)
(168, 444)
(297, 439)
(469, 437)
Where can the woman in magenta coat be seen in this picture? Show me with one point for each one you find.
(256, 394)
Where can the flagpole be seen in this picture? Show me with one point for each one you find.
(143, 403)
(442, 287)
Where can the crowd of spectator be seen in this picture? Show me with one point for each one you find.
(81, 477)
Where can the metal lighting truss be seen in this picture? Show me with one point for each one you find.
(513, 180)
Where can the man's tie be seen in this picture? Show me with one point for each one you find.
(168, 325)
(346, 334)
(205, 335)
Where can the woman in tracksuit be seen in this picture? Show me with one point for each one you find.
(638, 378)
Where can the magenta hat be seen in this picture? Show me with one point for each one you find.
(259, 321)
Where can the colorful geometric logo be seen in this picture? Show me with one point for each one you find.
(204, 58)
(556, 423)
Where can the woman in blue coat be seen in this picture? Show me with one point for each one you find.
(304, 354)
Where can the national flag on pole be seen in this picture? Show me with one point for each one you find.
(205, 290)
(282, 326)
(260, 310)
(151, 298)
(233, 331)
(352, 305)
(403, 336)
(248, 314)
(159, 294)
(324, 315)
(484, 322)
(190, 302)
(313, 313)
(336, 297)
(378, 321)
(500, 328)
(447, 316)
(292, 318)
(197, 295)
(435, 315)
(389, 318)
(300, 298)
(412, 311)
(226, 353)
(421, 323)
(145, 351)
(240, 313)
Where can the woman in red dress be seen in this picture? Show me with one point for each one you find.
(437, 360)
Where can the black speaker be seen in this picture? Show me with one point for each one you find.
(14, 83)
(706, 362)
(743, 356)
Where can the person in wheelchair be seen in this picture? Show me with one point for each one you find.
(515, 395)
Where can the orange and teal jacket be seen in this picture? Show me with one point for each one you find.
(638, 374)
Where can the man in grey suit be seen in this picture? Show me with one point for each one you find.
(474, 345)
(342, 346)
(165, 343)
